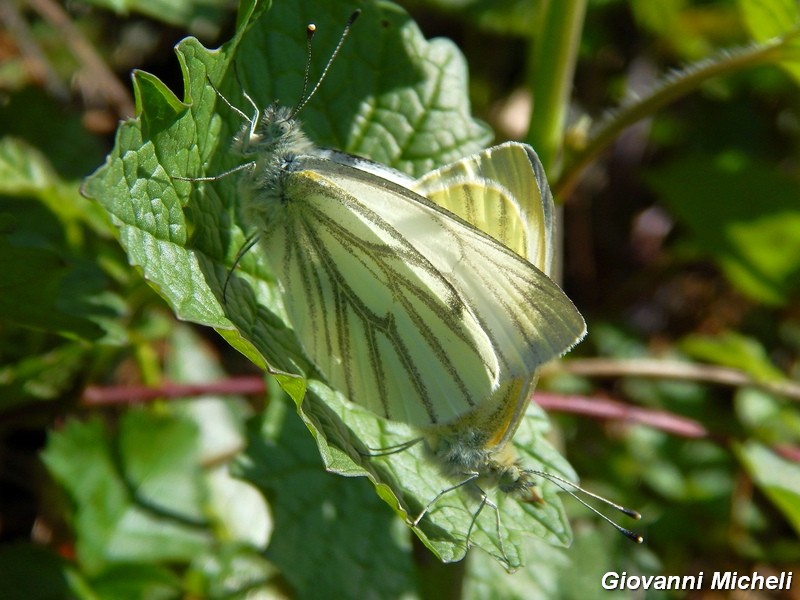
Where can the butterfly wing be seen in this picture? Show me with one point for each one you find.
(406, 308)
(503, 192)
(374, 315)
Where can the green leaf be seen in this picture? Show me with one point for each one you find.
(137, 496)
(185, 236)
(777, 477)
(321, 519)
(768, 19)
(23, 169)
(744, 214)
(34, 281)
(732, 349)
(49, 280)
(51, 289)
(201, 16)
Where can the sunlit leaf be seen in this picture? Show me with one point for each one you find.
(744, 214)
(769, 19)
(777, 477)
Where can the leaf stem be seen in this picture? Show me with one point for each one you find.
(553, 66)
(672, 86)
(137, 394)
(605, 408)
(673, 370)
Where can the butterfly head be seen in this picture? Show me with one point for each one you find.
(275, 133)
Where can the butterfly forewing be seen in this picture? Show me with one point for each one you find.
(380, 322)
(527, 317)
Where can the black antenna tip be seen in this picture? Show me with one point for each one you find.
(630, 513)
(353, 17)
(565, 484)
(632, 536)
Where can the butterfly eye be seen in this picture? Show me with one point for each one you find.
(278, 129)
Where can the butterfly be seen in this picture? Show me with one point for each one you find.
(426, 301)
(404, 304)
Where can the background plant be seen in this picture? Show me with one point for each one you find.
(682, 238)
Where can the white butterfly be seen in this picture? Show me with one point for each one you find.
(402, 305)
(406, 304)
(427, 301)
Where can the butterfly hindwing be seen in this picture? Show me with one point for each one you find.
(503, 192)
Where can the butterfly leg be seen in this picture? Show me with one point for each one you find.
(471, 477)
(484, 503)
(388, 450)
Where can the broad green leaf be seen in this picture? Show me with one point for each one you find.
(185, 236)
(137, 495)
(744, 214)
(38, 288)
(322, 519)
(777, 477)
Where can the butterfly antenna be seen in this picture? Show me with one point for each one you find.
(248, 244)
(304, 98)
(311, 29)
(567, 486)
